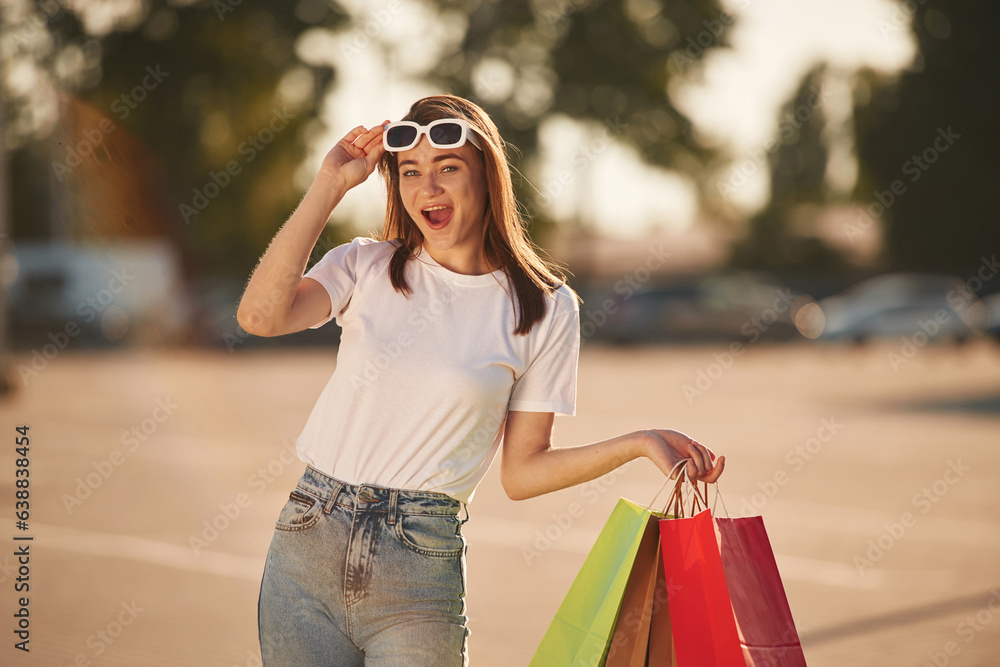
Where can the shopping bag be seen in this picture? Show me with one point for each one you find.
(661, 644)
(581, 631)
(728, 607)
(763, 617)
(616, 612)
(630, 640)
(642, 632)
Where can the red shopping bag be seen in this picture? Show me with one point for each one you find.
(763, 617)
(727, 606)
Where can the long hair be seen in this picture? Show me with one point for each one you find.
(505, 241)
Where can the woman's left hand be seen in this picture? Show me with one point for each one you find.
(666, 448)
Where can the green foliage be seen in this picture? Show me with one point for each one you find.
(781, 235)
(214, 102)
(948, 213)
(606, 61)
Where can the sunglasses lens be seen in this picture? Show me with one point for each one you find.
(446, 134)
(400, 136)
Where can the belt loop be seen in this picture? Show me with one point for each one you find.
(333, 497)
(393, 494)
(464, 508)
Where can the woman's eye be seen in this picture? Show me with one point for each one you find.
(410, 172)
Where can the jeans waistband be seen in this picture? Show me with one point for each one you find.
(374, 498)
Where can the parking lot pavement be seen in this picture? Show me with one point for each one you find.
(156, 477)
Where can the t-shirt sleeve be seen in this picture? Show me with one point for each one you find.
(549, 382)
(337, 271)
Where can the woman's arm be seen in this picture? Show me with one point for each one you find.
(277, 300)
(530, 466)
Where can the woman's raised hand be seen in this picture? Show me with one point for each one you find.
(353, 159)
(666, 448)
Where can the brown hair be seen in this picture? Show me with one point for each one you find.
(506, 243)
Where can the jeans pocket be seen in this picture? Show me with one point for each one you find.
(301, 511)
(431, 534)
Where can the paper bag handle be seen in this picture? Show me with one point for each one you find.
(667, 481)
(699, 500)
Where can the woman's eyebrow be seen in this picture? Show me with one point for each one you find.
(439, 158)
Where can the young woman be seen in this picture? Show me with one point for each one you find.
(457, 337)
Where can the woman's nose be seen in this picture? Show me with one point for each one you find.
(429, 185)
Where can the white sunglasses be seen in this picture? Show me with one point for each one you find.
(444, 133)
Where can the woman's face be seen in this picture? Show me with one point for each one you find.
(444, 192)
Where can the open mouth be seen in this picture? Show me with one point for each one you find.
(437, 216)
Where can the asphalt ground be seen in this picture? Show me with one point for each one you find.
(879, 485)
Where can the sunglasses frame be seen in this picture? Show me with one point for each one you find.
(468, 134)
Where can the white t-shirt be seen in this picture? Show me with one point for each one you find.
(423, 382)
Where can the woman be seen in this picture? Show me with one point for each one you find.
(457, 336)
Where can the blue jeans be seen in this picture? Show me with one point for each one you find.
(364, 575)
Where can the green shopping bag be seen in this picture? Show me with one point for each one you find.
(580, 634)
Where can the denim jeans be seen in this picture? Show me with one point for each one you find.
(364, 575)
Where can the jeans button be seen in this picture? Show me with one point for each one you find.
(365, 496)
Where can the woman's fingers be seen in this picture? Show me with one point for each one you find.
(361, 136)
(712, 471)
(362, 144)
(374, 140)
(720, 465)
(699, 459)
(366, 143)
(371, 135)
(700, 464)
(352, 136)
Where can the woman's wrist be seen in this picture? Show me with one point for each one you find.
(643, 440)
(330, 185)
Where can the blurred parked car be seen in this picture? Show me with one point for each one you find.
(992, 305)
(717, 308)
(129, 291)
(903, 305)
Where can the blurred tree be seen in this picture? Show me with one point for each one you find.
(212, 76)
(611, 62)
(184, 116)
(782, 235)
(932, 133)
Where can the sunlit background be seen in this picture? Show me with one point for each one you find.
(811, 182)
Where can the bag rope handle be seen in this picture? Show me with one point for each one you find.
(698, 499)
(667, 481)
